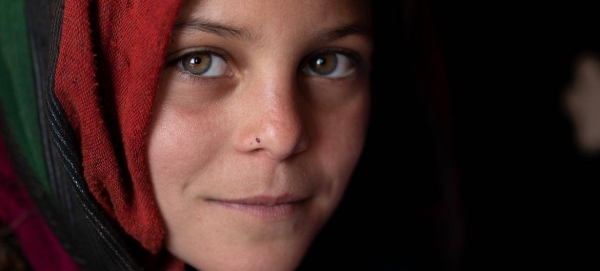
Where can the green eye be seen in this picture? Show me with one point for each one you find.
(204, 64)
(329, 64)
(197, 63)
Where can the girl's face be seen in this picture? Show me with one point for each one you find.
(259, 121)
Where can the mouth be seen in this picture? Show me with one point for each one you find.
(265, 207)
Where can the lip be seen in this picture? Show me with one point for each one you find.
(265, 207)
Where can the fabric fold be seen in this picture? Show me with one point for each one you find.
(107, 73)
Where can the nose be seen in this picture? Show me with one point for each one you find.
(274, 119)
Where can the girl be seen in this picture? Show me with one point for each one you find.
(210, 134)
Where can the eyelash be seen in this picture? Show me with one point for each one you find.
(176, 62)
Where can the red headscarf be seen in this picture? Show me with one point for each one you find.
(111, 52)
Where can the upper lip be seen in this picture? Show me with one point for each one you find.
(265, 200)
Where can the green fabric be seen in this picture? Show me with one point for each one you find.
(17, 88)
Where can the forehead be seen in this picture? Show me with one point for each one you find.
(279, 15)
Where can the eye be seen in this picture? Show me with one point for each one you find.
(329, 64)
(204, 64)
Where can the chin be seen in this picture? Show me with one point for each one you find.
(275, 257)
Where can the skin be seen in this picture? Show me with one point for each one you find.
(263, 124)
(581, 103)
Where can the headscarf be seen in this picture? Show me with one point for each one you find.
(106, 75)
(104, 59)
(81, 153)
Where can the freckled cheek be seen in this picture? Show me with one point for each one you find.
(180, 146)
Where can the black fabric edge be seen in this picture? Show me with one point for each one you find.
(64, 166)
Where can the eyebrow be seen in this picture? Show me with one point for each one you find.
(211, 27)
(343, 31)
(229, 31)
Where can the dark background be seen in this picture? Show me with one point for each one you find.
(484, 175)
(471, 163)
(529, 197)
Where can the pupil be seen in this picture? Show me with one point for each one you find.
(321, 61)
(195, 60)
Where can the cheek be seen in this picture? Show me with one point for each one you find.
(180, 144)
(342, 138)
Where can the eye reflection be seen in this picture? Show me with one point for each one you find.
(330, 64)
(204, 64)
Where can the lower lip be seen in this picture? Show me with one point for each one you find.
(264, 211)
